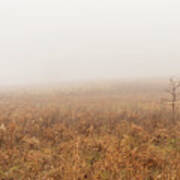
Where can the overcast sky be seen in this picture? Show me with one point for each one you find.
(48, 40)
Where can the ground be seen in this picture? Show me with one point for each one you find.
(105, 132)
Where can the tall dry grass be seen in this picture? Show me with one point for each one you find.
(112, 134)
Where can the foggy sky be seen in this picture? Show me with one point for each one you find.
(48, 40)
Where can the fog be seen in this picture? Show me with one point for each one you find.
(71, 40)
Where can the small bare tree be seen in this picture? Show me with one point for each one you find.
(174, 86)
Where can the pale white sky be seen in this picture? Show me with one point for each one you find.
(48, 40)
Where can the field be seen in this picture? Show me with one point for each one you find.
(105, 131)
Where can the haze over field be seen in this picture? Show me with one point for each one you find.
(50, 41)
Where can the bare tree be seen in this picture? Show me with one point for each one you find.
(174, 86)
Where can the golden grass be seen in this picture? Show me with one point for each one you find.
(100, 136)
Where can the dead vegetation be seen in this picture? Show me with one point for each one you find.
(99, 136)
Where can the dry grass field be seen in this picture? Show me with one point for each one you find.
(106, 131)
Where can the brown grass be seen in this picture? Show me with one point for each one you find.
(115, 134)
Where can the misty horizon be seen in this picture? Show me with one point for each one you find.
(56, 41)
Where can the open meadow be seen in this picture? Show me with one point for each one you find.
(105, 131)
